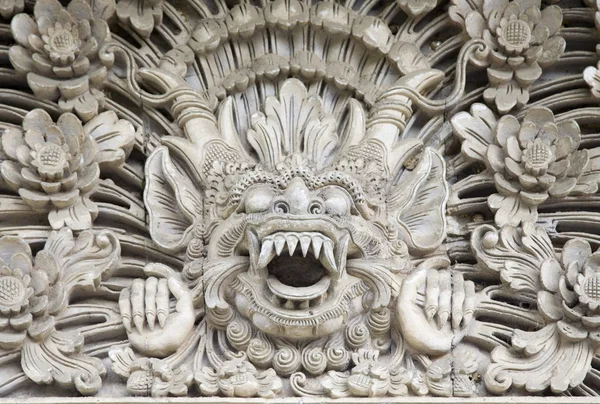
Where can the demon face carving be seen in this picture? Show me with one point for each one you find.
(306, 241)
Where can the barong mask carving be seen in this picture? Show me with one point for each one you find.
(290, 198)
(301, 240)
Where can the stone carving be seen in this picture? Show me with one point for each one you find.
(330, 200)
(59, 50)
(34, 297)
(522, 38)
(54, 166)
(559, 354)
(529, 162)
(141, 15)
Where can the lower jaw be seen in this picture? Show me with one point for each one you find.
(326, 319)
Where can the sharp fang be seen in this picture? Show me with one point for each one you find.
(342, 252)
(292, 242)
(266, 254)
(317, 243)
(289, 305)
(327, 257)
(253, 247)
(304, 244)
(303, 305)
(279, 243)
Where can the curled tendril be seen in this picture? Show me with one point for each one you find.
(314, 360)
(357, 333)
(260, 351)
(286, 360)
(239, 333)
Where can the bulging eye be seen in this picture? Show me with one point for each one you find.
(258, 199)
(337, 201)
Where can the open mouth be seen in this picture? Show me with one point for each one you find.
(300, 268)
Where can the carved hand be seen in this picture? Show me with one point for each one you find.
(435, 322)
(152, 329)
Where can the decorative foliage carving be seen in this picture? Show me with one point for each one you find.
(59, 52)
(530, 161)
(141, 15)
(310, 197)
(522, 39)
(35, 294)
(55, 166)
(527, 263)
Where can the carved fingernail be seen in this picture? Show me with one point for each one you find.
(139, 322)
(162, 319)
(442, 318)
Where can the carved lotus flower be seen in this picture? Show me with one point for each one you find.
(23, 291)
(533, 161)
(571, 291)
(530, 161)
(522, 40)
(155, 377)
(58, 50)
(52, 166)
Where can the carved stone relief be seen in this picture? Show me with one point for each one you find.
(321, 200)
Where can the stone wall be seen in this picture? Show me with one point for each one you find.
(295, 201)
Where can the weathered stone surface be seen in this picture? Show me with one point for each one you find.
(294, 201)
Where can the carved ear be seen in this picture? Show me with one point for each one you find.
(417, 203)
(172, 200)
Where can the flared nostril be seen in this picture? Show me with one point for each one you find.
(281, 207)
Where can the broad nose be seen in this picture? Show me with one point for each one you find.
(297, 196)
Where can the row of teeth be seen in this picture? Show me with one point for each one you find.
(297, 304)
(320, 246)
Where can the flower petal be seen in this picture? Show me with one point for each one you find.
(38, 119)
(561, 188)
(527, 74)
(475, 24)
(495, 157)
(572, 331)
(550, 274)
(578, 161)
(11, 139)
(553, 48)
(549, 306)
(504, 186)
(539, 116)
(533, 198)
(552, 18)
(566, 294)
(508, 126)
(575, 251)
(513, 149)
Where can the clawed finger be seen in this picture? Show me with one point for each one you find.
(458, 298)
(469, 304)
(137, 304)
(150, 300)
(125, 308)
(432, 293)
(445, 298)
(162, 302)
